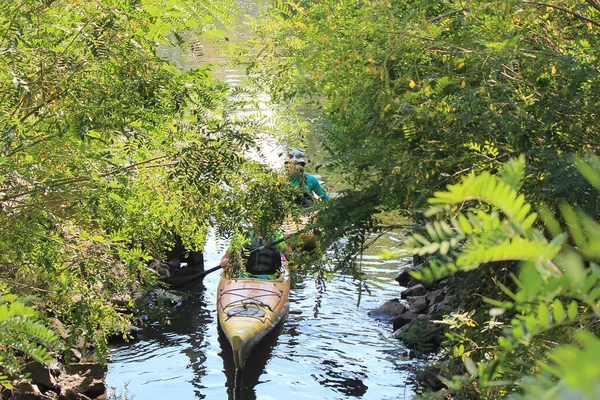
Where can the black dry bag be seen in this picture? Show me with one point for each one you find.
(265, 261)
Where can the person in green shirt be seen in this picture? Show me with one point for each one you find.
(295, 164)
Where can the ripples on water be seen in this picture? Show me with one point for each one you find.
(340, 353)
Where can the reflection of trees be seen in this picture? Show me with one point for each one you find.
(240, 386)
(339, 378)
(193, 321)
(187, 331)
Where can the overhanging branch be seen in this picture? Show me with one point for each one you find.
(593, 3)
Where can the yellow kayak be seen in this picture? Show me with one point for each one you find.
(249, 307)
(300, 241)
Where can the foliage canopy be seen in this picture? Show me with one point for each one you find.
(414, 94)
(108, 154)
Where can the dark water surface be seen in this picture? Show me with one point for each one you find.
(340, 353)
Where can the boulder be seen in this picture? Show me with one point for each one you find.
(436, 296)
(422, 335)
(416, 290)
(84, 380)
(406, 318)
(25, 390)
(44, 375)
(404, 277)
(388, 311)
(160, 268)
(417, 304)
(439, 309)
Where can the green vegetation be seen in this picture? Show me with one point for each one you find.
(108, 153)
(413, 96)
(22, 334)
(539, 319)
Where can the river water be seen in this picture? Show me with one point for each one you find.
(340, 352)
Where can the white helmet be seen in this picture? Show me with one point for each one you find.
(296, 155)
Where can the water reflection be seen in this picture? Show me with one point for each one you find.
(339, 378)
(241, 384)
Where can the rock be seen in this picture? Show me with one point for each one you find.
(94, 370)
(404, 277)
(416, 290)
(24, 390)
(388, 311)
(418, 318)
(445, 307)
(84, 380)
(429, 380)
(161, 269)
(402, 320)
(436, 296)
(45, 375)
(418, 304)
(421, 335)
(75, 355)
(81, 381)
(60, 329)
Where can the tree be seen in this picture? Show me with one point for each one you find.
(108, 151)
(415, 94)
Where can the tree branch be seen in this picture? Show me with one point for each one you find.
(83, 178)
(24, 146)
(566, 10)
(595, 4)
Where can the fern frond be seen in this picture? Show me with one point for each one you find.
(21, 335)
(410, 130)
(444, 85)
(573, 369)
(491, 190)
(518, 248)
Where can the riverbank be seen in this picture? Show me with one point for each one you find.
(413, 317)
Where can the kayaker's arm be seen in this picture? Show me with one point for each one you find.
(225, 259)
(313, 185)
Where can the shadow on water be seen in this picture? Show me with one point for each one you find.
(347, 382)
(241, 384)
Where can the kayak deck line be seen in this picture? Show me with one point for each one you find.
(245, 301)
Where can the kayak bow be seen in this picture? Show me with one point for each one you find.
(249, 307)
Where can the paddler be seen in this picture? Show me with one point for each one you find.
(263, 262)
(295, 164)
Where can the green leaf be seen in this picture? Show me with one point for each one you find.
(471, 367)
(444, 247)
(572, 310)
(558, 311)
(464, 224)
(543, 315)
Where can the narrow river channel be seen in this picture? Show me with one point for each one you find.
(339, 353)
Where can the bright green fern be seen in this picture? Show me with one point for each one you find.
(554, 301)
(22, 337)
